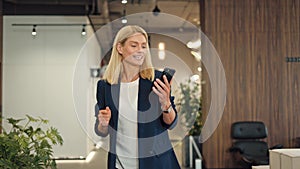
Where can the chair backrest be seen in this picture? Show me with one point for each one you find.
(248, 130)
(248, 142)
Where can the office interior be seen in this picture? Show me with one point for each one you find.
(256, 49)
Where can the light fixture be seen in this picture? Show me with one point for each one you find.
(161, 46)
(194, 78)
(194, 44)
(83, 32)
(161, 51)
(124, 19)
(124, 1)
(156, 10)
(199, 69)
(33, 33)
(196, 55)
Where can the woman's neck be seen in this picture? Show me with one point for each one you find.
(130, 73)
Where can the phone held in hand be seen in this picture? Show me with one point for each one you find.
(169, 72)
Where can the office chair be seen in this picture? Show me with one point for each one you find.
(249, 149)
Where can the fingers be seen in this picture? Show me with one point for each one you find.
(163, 83)
(159, 89)
(104, 116)
(162, 89)
(166, 80)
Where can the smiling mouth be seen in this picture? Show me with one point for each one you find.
(138, 57)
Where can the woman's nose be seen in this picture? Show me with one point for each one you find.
(140, 49)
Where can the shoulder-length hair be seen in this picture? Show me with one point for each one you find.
(115, 66)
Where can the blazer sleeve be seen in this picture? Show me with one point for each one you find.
(100, 105)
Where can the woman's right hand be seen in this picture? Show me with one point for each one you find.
(104, 116)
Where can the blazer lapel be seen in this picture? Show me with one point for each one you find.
(147, 102)
(113, 94)
(145, 87)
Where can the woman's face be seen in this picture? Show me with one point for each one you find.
(133, 51)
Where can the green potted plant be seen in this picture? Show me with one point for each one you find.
(28, 145)
(189, 104)
(190, 107)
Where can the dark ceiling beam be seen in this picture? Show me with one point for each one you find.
(49, 2)
(10, 8)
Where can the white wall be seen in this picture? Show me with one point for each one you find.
(38, 74)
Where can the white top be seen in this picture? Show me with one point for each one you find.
(127, 142)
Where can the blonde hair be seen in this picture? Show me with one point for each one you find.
(115, 67)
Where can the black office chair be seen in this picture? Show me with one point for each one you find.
(248, 147)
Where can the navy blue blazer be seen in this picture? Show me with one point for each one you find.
(154, 146)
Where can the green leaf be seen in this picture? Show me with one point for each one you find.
(27, 146)
(44, 121)
(31, 119)
(14, 121)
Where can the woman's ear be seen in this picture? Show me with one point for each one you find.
(120, 48)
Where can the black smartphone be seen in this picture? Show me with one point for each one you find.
(169, 74)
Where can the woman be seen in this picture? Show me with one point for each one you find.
(135, 106)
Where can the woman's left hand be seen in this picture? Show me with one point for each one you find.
(163, 89)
